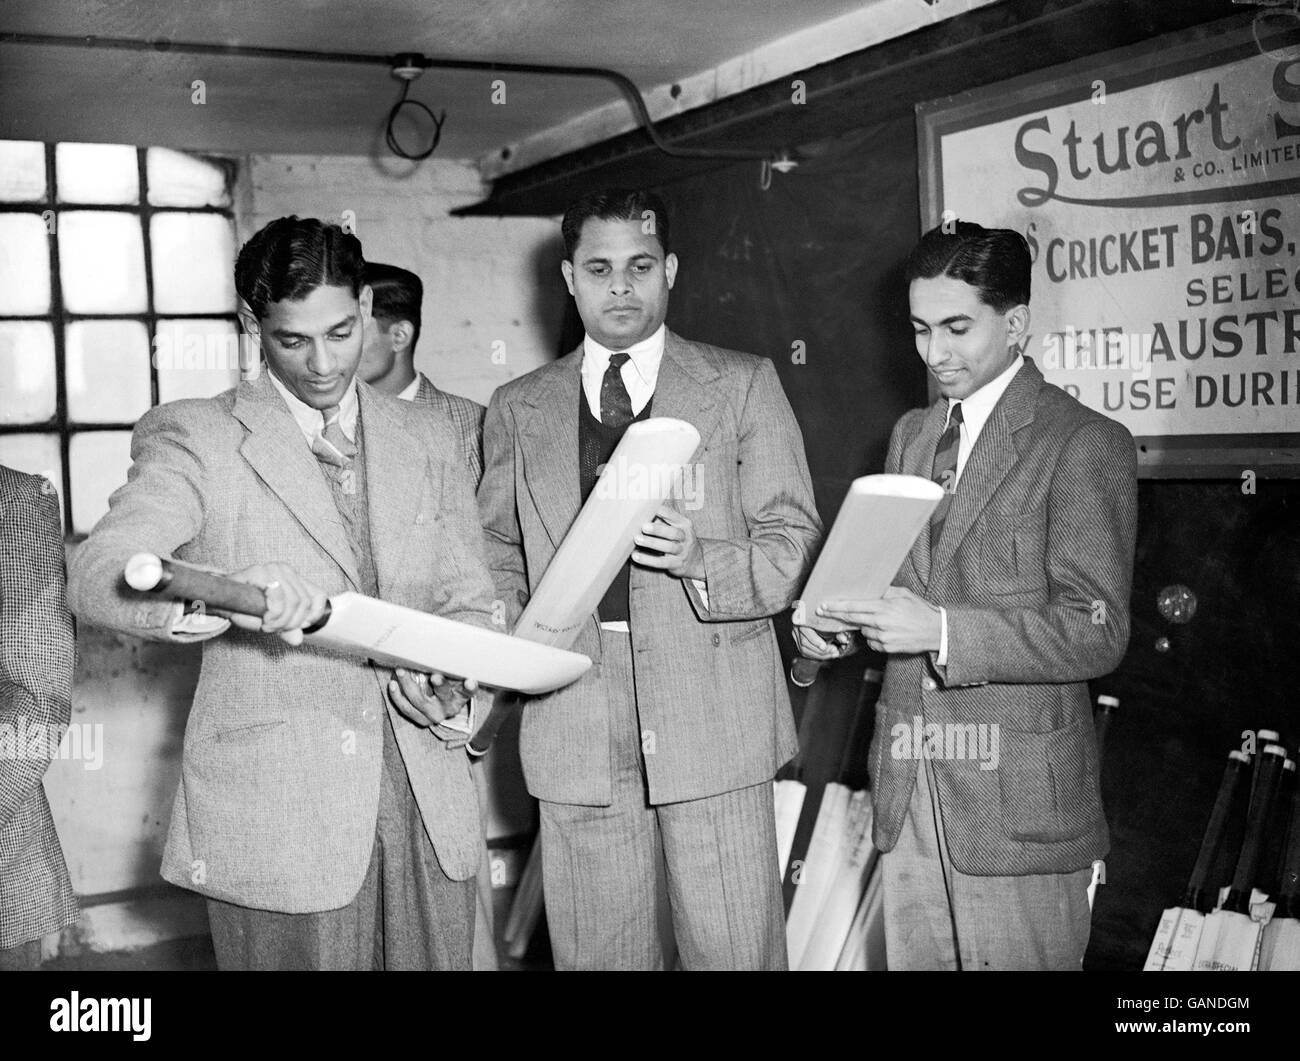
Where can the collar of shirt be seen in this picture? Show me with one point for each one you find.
(639, 374)
(312, 421)
(978, 407)
(408, 393)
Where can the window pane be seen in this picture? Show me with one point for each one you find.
(196, 358)
(24, 265)
(193, 263)
(108, 371)
(26, 372)
(101, 261)
(178, 179)
(97, 173)
(22, 171)
(35, 455)
(97, 461)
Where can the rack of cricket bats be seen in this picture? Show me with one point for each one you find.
(1250, 921)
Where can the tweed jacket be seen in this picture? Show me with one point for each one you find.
(283, 747)
(1034, 567)
(37, 655)
(465, 414)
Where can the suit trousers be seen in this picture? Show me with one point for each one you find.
(938, 918)
(408, 914)
(719, 853)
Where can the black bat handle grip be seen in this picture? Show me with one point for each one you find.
(1214, 831)
(504, 704)
(1270, 775)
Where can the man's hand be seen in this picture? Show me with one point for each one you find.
(675, 549)
(291, 601)
(428, 700)
(899, 623)
(815, 645)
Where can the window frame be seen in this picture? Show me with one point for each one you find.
(59, 318)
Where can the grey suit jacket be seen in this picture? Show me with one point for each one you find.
(1034, 567)
(465, 414)
(37, 654)
(283, 748)
(710, 688)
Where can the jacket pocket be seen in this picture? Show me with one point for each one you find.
(749, 631)
(1044, 785)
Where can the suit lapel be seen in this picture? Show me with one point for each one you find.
(549, 437)
(278, 453)
(395, 483)
(992, 458)
(426, 391)
(918, 459)
(685, 389)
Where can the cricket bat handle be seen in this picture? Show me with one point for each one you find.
(504, 705)
(1270, 774)
(180, 581)
(804, 671)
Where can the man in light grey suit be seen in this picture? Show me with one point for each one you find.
(327, 827)
(984, 763)
(671, 741)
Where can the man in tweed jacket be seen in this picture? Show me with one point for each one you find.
(388, 357)
(670, 743)
(984, 763)
(37, 652)
(328, 828)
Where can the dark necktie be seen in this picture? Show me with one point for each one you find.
(615, 402)
(944, 471)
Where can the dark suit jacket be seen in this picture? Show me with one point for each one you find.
(280, 773)
(710, 686)
(1034, 568)
(37, 654)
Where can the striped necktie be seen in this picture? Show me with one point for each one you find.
(615, 402)
(331, 445)
(944, 471)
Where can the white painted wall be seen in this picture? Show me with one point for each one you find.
(486, 280)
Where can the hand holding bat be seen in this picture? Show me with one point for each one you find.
(670, 537)
(899, 623)
(291, 601)
(429, 700)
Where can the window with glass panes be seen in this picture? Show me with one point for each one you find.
(116, 294)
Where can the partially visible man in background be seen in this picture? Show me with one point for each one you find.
(388, 357)
(388, 365)
(37, 652)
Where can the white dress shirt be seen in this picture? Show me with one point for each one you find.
(640, 373)
(409, 392)
(975, 410)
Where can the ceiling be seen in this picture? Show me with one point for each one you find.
(291, 106)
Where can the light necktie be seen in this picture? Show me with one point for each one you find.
(944, 471)
(331, 445)
(615, 402)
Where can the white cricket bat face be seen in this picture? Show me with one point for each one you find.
(1229, 943)
(1174, 947)
(1280, 947)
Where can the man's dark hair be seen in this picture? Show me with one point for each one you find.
(616, 204)
(398, 294)
(994, 261)
(292, 256)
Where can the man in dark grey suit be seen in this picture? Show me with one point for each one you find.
(984, 763)
(671, 741)
(37, 652)
(388, 357)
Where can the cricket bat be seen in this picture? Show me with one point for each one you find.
(646, 468)
(871, 537)
(356, 625)
(1231, 937)
(1280, 946)
(1179, 932)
